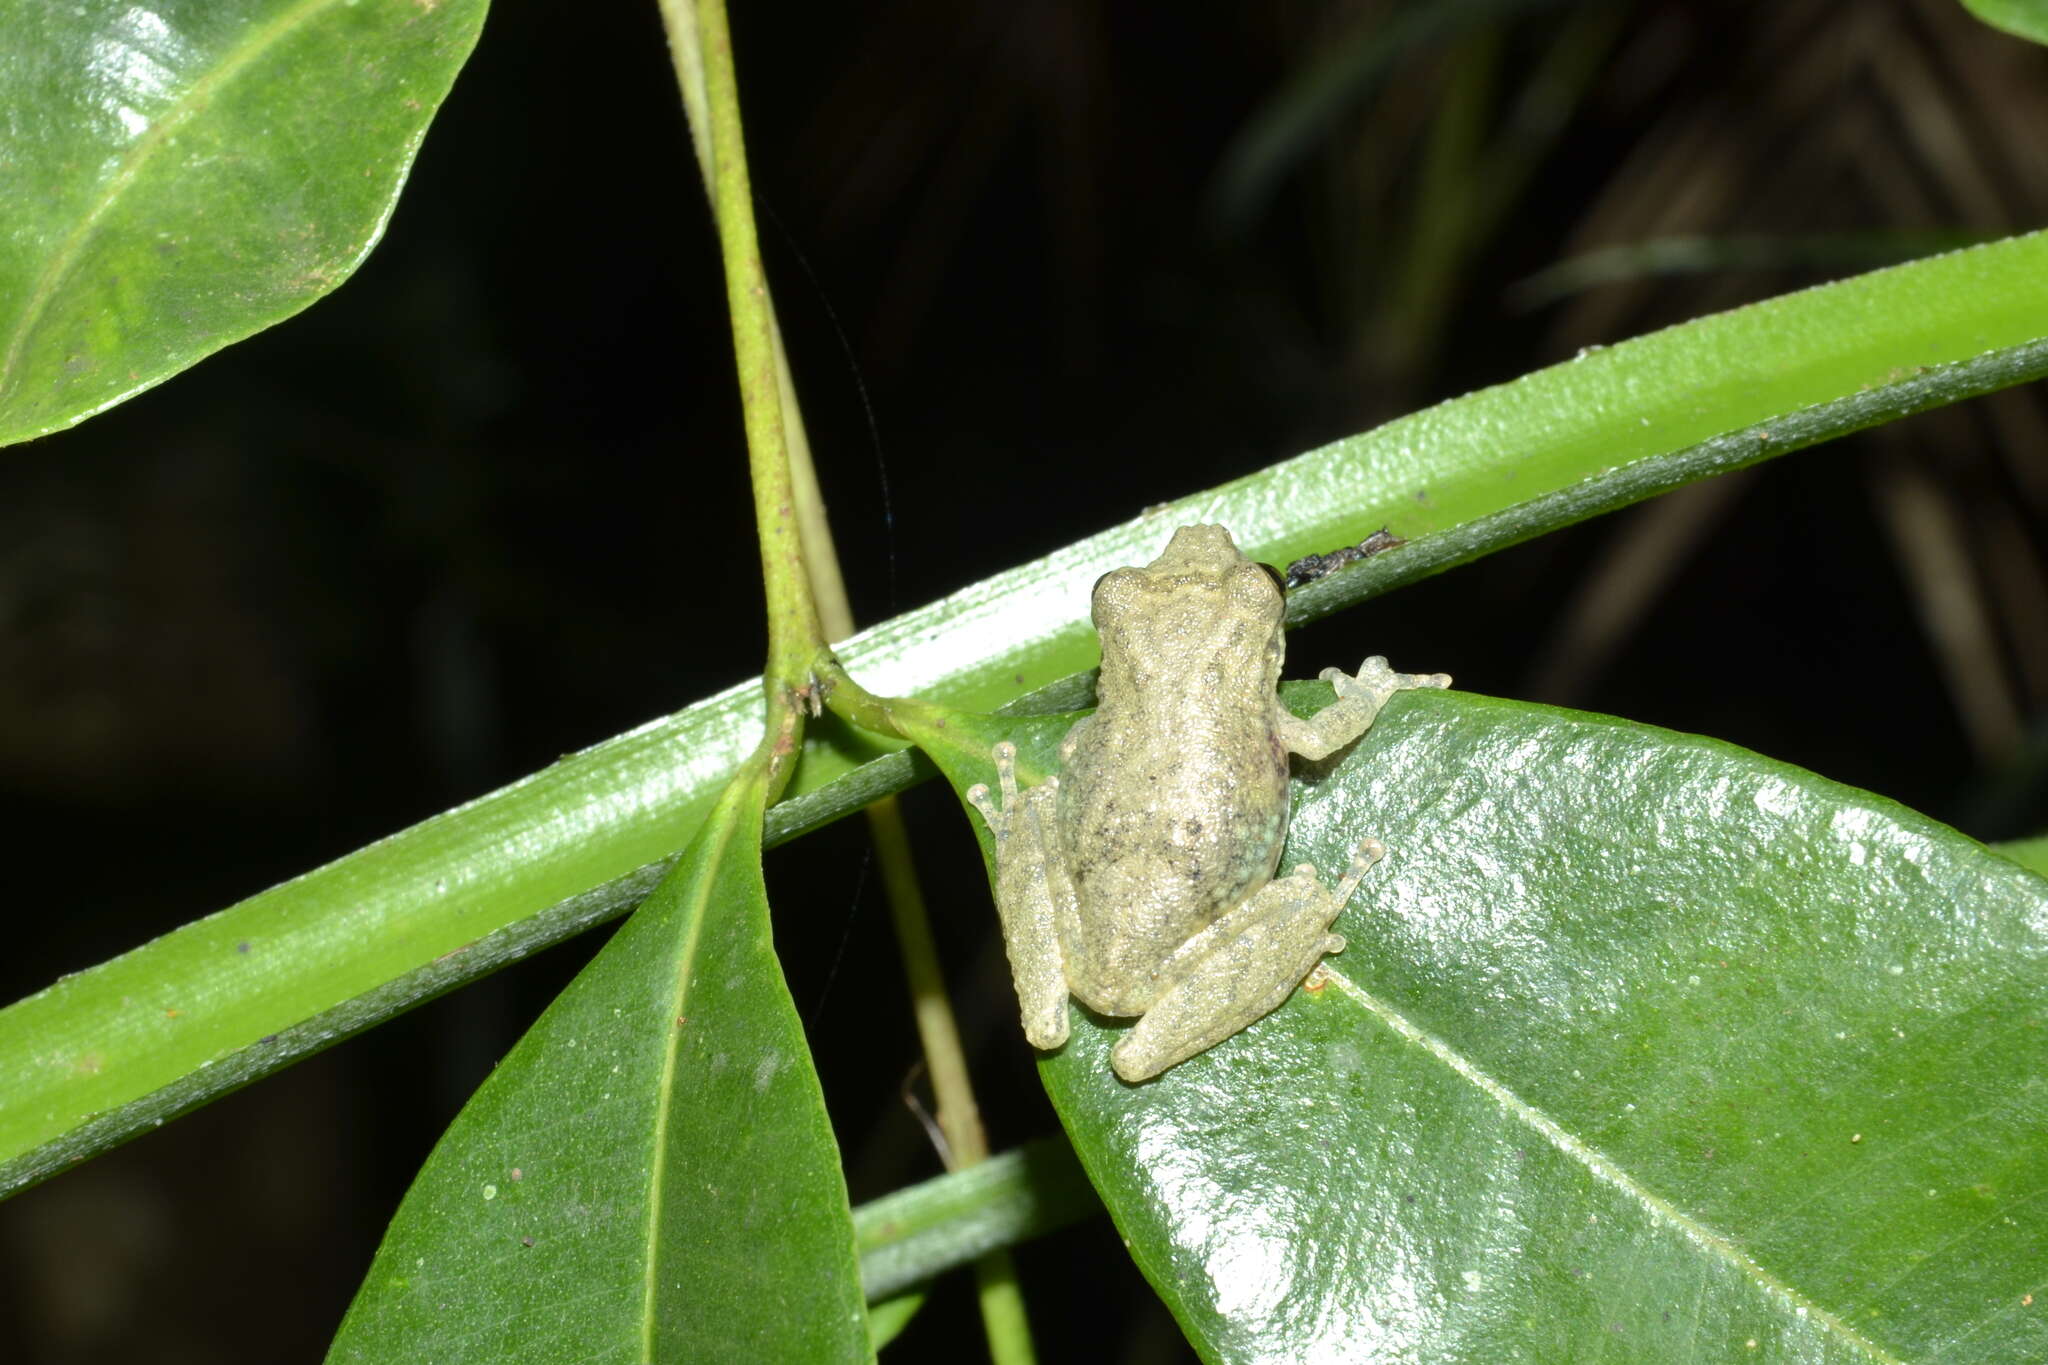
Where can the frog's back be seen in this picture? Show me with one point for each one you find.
(1173, 797)
(1165, 840)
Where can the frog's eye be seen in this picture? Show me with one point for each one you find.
(1114, 589)
(1254, 587)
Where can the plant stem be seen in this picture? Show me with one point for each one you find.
(800, 569)
(793, 630)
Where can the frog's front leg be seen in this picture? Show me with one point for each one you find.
(1031, 883)
(1241, 968)
(1359, 699)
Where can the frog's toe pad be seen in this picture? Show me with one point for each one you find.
(1046, 1028)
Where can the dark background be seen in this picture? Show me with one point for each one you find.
(485, 505)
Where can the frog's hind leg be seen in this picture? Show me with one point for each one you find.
(1028, 888)
(1240, 969)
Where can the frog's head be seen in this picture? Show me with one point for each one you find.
(1198, 550)
(1201, 572)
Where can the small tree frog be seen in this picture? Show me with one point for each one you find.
(1140, 880)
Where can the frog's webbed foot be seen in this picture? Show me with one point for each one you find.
(1359, 699)
(1027, 884)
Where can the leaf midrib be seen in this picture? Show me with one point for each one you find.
(723, 827)
(197, 95)
(1605, 1169)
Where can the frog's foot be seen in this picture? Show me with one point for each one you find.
(1002, 818)
(1359, 699)
(1235, 972)
(1377, 681)
(1368, 852)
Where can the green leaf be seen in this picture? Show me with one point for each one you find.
(99, 1056)
(2023, 18)
(1643, 1048)
(2028, 853)
(180, 176)
(888, 1318)
(650, 1175)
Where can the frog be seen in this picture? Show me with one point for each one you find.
(1140, 880)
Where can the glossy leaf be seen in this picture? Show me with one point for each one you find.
(180, 175)
(650, 1175)
(1643, 1048)
(2022, 18)
(98, 1056)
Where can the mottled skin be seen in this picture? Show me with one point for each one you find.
(1141, 879)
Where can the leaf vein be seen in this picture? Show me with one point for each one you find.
(1605, 1169)
(156, 137)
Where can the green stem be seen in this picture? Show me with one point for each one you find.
(805, 591)
(793, 630)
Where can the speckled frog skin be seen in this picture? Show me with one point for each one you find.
(1140, 880)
